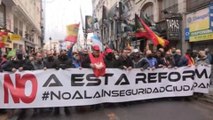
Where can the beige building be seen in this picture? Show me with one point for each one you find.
(170, 17)
(115, 16)
(23, 17)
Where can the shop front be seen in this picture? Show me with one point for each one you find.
(199, 28)
(29, 46)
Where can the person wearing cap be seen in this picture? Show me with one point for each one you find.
(110, 58)
(138, 60)
(95, 60)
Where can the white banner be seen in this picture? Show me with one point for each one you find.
(74, 87)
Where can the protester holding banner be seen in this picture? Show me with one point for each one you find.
(18, 63)
(139, 61)
(76, 60)
(74, 56)
(38, 63)
(160, 59)
(151, 60)
(169, 59)
(209, 55)
(63, 60)
(124, 61)
(3, 61)
(177, 57)
(50, 61)
(187, 59)
(95, 60)
(202, 58)
(110, 58)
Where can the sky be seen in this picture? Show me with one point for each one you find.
(60, 13)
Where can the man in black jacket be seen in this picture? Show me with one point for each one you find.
(124, 61)
(50, 61)
(64, 61)
(18, 63)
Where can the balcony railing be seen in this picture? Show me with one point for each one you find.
(172, 9)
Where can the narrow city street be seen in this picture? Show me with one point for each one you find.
(109, 59)
(160, 109)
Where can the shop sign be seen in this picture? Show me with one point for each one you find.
(15, 37)
(200, 25)
(173, 29)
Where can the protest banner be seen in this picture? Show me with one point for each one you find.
(75, 87)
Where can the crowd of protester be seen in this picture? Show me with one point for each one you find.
(126, 59)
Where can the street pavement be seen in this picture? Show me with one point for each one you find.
(159, 109)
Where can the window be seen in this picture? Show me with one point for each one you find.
(148, 10)
(15, 25)
(112, 28)
(2, 15)
(167, 5)
(128, 4)
(21, 28)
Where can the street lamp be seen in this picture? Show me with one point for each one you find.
(50, 42)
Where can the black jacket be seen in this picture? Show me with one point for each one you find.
(17, 64)
(50, 63)
(64, 62)
(124, 62)
(110, 60)
(86, 62)
(177, 59)
(142, 63)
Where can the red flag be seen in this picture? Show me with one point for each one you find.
(150, 34)
(141, 34)
(3, 37)
(146, 32)
(3, 33)
(2, 44)
(162, 42)
(72, 33)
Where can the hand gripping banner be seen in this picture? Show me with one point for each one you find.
(74, 87)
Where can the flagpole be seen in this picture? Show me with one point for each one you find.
(84, 31)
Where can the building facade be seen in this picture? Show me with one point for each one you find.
(22, 17)
(199, 24)
(172, 19)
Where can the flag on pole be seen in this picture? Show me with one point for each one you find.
(146, 32)
(3, 39)
(89, 24)
(72, 33)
